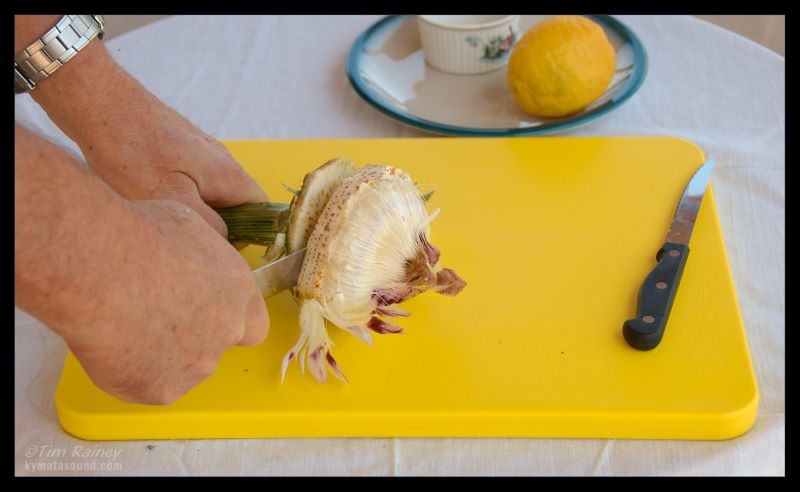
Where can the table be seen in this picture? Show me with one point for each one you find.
(283, 77)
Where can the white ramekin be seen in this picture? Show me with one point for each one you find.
(468, 43)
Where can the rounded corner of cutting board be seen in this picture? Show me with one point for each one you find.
(75, 420)
(738, 421)
(72, 420)
(688, 143)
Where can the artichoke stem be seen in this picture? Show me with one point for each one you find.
(255, 223)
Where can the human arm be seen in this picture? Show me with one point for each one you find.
(142, 148)
(145, 293)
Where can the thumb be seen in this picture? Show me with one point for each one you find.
(256, 319)
(231, 186)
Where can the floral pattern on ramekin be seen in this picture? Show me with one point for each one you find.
(498, 47)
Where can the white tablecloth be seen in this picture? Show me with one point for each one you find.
(283, 77)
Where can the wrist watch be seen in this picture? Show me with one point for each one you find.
(55, 48)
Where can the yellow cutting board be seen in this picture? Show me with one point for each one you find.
(554, 237)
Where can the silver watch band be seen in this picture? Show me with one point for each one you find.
(58, 45)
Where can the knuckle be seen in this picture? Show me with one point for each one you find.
(220, 154)
(228, 167)
(228, 329)
(137, 390)
(216, 222)
(234, 334)
(173, 207)
(165, 396)
(222, 149)
(230, 336)
(206, 368)
(257, 333)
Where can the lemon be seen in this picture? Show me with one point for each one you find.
(560, 66)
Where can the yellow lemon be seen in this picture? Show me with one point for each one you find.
(560, 66)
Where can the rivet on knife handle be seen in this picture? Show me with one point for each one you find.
(655, 298)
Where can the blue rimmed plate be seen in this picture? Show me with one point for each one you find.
(387, 68)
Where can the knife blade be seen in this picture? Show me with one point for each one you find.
(260, 224)
(657, 293)
(279, 275)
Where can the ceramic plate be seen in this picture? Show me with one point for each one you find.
(387, 68)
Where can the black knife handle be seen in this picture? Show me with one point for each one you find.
(655, 298)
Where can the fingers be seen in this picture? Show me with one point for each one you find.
(207, 213)
(162, 389)
(236, 189)
(255, 192)
(230, 186)
(256, 320)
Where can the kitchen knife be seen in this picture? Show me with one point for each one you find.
(279, 275)
(259, 224)
(658, 290)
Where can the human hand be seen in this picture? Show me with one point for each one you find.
(154, 152)
(138, 145)
(183, 298)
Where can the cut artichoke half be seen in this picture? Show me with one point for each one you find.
(367, 234)
(369, 249)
